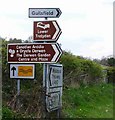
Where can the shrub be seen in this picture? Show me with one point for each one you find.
(79, 66)
(6, 113)
(111, 74)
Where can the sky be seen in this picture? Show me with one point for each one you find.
(87, 25)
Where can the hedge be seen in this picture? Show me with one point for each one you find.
(111, 74)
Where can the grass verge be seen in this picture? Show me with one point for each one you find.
(88, 102)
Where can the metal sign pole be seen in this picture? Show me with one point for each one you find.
(18, 93)
(45, 85)
(18, 87)
(59, 113)
(45, 88)
(44, 92)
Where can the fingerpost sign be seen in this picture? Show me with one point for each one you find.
(34, 52)
(46, 31)
(44, 12)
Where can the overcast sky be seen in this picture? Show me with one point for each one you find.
(87, 25)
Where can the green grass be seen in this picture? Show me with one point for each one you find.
(88, 102)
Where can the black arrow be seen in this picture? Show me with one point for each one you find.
(58, 12)
(50, 76)
(13, 68)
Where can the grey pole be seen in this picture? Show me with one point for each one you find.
(18, 94)
(45, 86)
(18, 87)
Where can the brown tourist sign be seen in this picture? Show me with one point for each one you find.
(34, 53)
(46, 31)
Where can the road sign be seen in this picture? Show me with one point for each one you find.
(55, 75)
(34, 53)
(44, 12)
(54, 86)
(26, 71)
(53, 101)
(46, 31)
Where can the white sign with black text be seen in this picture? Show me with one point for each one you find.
(44, 12)
(53, 101)
(55, 75)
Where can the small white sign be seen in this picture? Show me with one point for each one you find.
(44, 12)
(55, 75)
(26, 71)
(53, 101)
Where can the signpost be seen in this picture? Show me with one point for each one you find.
(46, 31)
(48, 51)
(49, 31)
(34, 53)
(25, 71)
(44, 12)
(21, 71)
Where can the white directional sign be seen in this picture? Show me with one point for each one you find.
(44, 12)
(55, 75)
(53, 101)
(26, 71)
